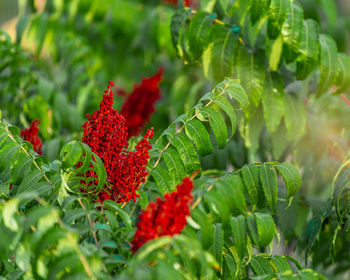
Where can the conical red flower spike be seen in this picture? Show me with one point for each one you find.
(106, 134)
(139, 105)
(31, 134)
(164, 217)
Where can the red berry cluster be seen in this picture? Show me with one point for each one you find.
(187, 3)
(31, 134)
(164, 217)
(139, 105)
(106, 134)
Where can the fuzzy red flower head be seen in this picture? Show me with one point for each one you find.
(139, 105)
(106, 134)
(164, 217)
(31, 134)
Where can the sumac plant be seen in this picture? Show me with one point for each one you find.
(204, 169)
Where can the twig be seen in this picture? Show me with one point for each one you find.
(347, 102)
(133, 209)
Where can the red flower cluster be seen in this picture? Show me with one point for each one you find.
(187, 3)
(31, 134)
(139, 106)
(106, 134)
(164, 217)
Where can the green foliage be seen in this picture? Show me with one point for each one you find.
(187, 135)
(41, 246)
(23, 170)
(230, 222)
(277, 36)
(330, 225)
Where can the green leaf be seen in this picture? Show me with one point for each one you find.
(252, 130)
(309, 49)
(250, 69)
(218, 243)
(292, 28)
(109, 204)
(162, 178)
(343, 78)
(52, 235)
(177, 24)
(5, 177)
(250, 174)
(200, 137)
(266, 229)
(111, 218)
(74, 214)
(63, 261)
(231, 266)
(291, 177)
(217, 205)
(100, 170)
(253, 229)
(276, 53)
(35, 213)
(8, 212)
(329, 64)
(308, 275)
(40, 188)
(235, 91)
(21, 168)
(187, 153)
(166, 271)
(329, 7)
(207, 234)
(227, 107)
(281, 264)
(239, 233)
(273, 102)
(257, 9)
(269, 184)
(223, 51)
(98, 226)
(71, 154)
(31, 179)
(260, 266)
(198, 33)
(143, 199)
(277, 15)
(297, 264)
(7, 152)
(14, 130)
(3, 137)
(295, 117)
(151, 246)
(341, 190)
(174, 164)
(20, 27)
(231, 189)
(86, 159)
(217, 124)
(279, 140)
